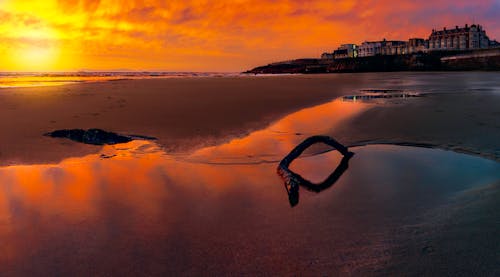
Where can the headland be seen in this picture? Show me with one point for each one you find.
(456, 49)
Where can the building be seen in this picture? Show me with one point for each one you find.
(394, 47)
(458, 38)
(340, 54)
(347, 51)
(344, 51)
(383, 47)
(468, 37)
(327, 56)
(416, 45)
(370, 48)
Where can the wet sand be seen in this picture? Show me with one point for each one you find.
(206, 199)
(467, 122)
(189, 113)
(183, 113)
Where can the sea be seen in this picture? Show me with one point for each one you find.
(35, 79)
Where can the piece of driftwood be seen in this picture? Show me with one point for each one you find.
(293, 180)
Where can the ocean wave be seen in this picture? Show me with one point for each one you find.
(33, 79)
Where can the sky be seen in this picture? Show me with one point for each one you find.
(217, 35)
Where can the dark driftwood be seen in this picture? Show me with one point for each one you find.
(293, 180)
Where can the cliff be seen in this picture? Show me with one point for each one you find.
(487, 59)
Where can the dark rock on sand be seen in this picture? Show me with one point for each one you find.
(90, 136)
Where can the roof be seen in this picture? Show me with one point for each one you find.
(455, 30)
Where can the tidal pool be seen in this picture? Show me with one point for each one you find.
(223, 210)
(144, 212)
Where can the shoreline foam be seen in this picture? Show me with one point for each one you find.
(43, 79)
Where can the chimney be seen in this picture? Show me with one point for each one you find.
(444, 28)
(456, 27)
(466, 26)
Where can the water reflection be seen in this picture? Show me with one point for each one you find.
(293, 180)
(272, 143)
(133, 209)
(144, 212)
(382, 95)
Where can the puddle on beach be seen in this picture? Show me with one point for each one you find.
(382, 95)
(134, 209)
(274, 142)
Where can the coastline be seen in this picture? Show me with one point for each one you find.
(443, 61)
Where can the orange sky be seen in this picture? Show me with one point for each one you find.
(190, 35)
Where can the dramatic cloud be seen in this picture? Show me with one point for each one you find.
(211, 35)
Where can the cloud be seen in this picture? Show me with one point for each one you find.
(223, 35)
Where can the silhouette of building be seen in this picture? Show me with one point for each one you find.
(327, 56)
(346, 51)
(340, 54)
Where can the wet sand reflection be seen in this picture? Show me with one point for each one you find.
(146, 212)
(272, 143)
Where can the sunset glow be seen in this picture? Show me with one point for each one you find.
(54, 35)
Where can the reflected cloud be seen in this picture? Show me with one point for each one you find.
(133, 186)
(135, 209)
(272, 143)
(294, 180)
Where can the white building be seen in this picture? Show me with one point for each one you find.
(472, 37)
(370, 48)
(383, 47)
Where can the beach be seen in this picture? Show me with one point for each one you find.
(418, 197)
(181, 113)
(186, 113)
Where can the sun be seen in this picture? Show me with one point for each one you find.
(36, 57)
(37, 50)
